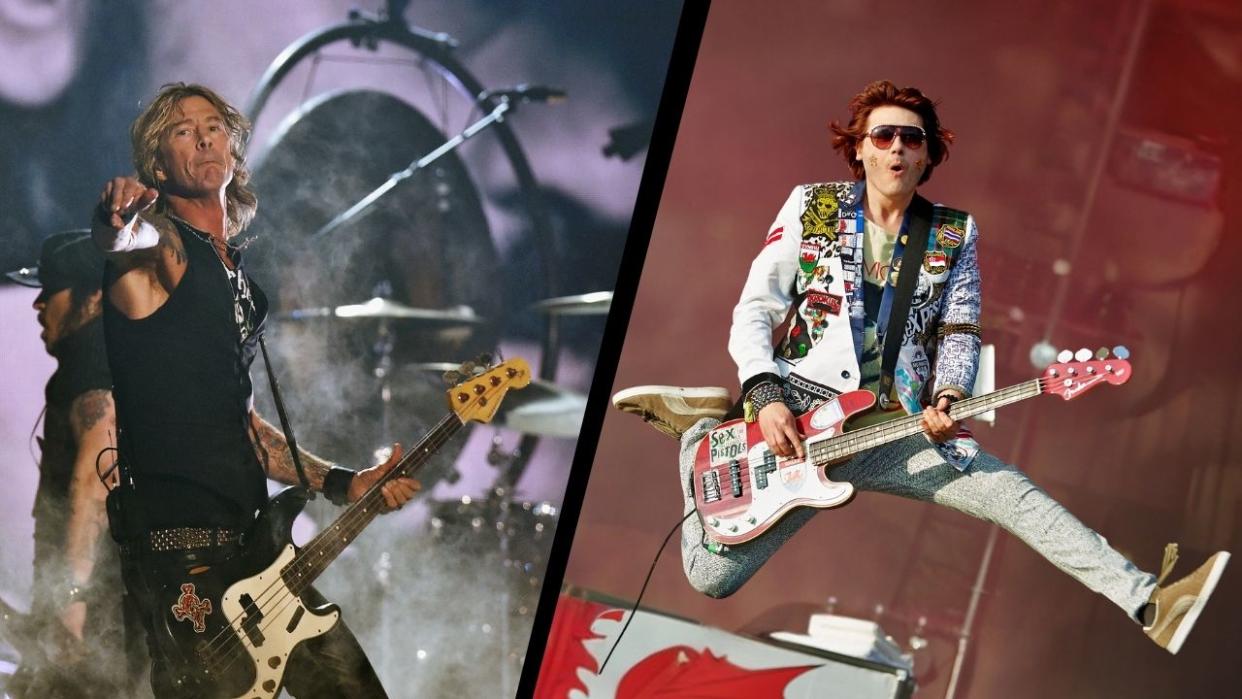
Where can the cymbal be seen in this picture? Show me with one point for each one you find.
(594, 303)
(393, 310)
(556, 416)
(541, 408)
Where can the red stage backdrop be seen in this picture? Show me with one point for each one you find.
(1098, 148)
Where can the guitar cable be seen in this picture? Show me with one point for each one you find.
(643, 590)
(31, 440)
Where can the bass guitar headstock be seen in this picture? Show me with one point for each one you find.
(1075, 373)
(478, 396)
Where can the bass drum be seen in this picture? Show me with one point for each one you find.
(425, 244)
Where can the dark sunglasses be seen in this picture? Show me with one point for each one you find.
(882, 136)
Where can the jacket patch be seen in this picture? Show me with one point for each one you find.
(821, 212)
(808, 256)
(949, 236)
(829, 303)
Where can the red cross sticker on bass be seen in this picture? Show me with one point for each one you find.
(190, 607)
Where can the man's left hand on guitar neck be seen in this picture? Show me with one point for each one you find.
(937, 424)
(396, 492)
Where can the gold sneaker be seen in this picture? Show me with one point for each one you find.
(673, 409)
(1178, 605)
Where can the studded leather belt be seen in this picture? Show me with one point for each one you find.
(186, 538)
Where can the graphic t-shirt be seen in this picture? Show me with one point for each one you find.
(878, 245)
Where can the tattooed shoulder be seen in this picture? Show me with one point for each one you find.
(89, 409)
(170, 242)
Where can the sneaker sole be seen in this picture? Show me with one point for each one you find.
(1188, 621)
(677, 390)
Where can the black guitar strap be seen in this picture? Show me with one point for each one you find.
(907, 278)
(284, 418)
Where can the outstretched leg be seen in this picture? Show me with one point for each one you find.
(990, 490)
(998, 492)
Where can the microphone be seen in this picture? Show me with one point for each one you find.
(525, 93)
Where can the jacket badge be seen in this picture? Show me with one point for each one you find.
(949, 236)
(808, 256)
(936, 263)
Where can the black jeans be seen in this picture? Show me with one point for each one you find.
(331, 666)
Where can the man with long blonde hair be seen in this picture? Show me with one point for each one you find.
(183, 321)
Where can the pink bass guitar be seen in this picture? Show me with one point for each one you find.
(741, 488)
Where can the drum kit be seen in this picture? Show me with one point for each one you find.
(542, 409)
(505, 541)
(382, 273)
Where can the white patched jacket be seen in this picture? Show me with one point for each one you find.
(809, 272)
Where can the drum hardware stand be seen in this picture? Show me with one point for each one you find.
(393, 12)
(367, 30)
(385, 343)
(504, 101)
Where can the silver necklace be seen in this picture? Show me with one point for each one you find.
(239, 287)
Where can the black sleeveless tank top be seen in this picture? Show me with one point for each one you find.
(181, 383)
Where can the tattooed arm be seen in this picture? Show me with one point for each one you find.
(93, 420)
(143, 246)
(273, 452)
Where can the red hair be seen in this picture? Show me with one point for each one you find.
(881, 93)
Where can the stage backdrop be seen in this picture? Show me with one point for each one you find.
(76, 73)
(1098, 148)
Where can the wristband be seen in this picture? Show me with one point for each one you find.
(336, 484)
(761, 396)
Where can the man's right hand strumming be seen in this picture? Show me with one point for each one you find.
(780, 430)
(122, 199)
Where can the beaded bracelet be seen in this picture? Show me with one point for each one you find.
(959, 328)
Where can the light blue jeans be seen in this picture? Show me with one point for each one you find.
(990, 490)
